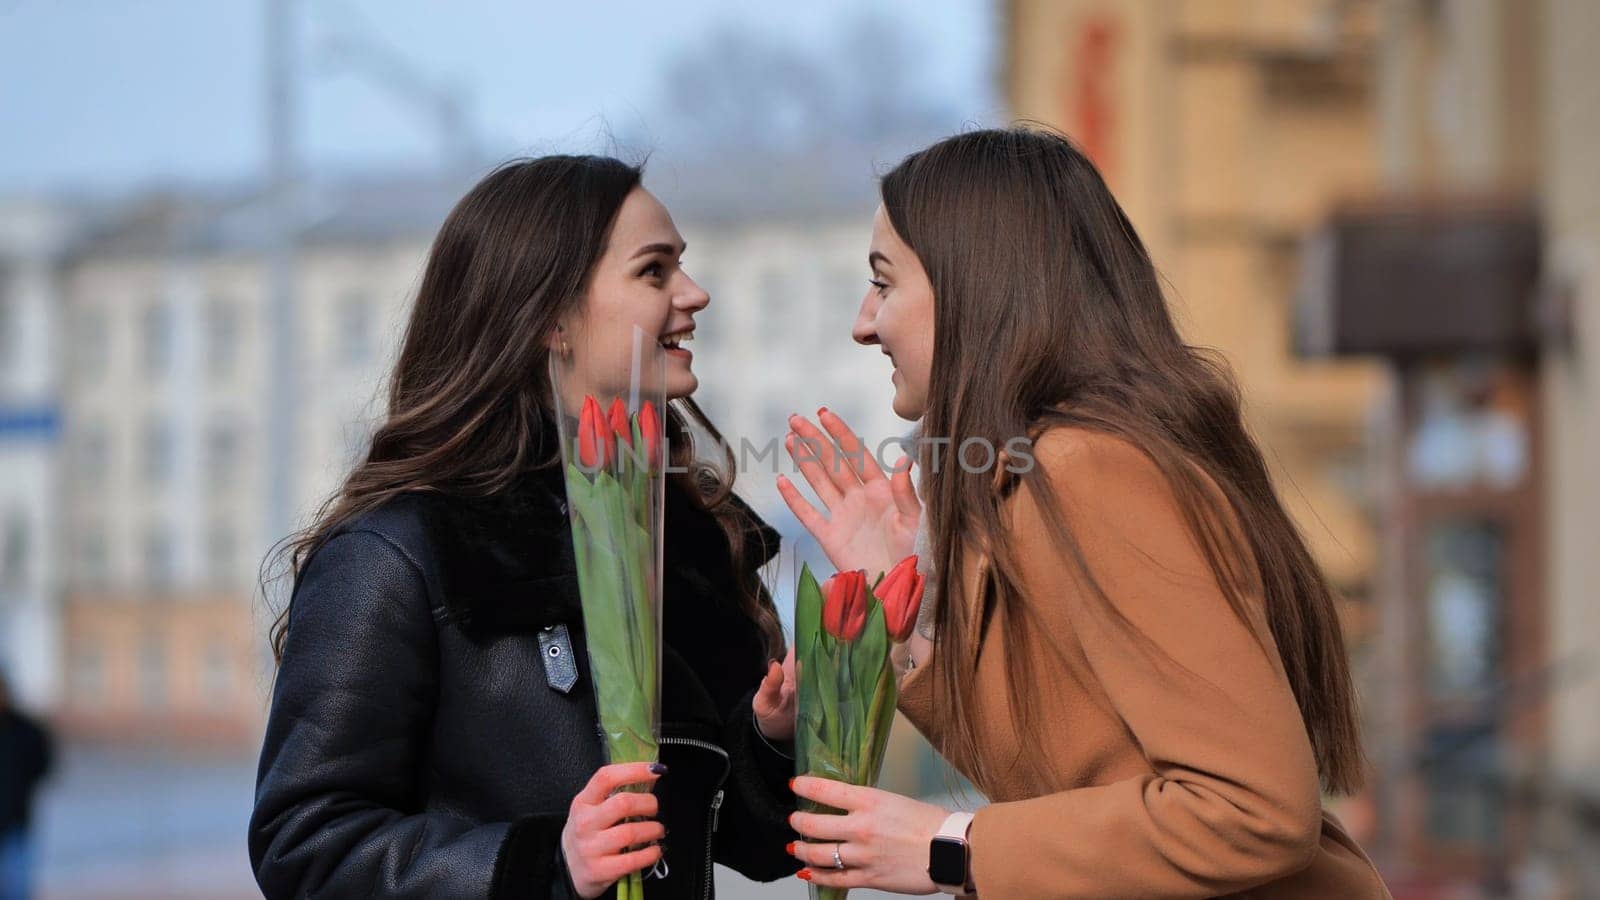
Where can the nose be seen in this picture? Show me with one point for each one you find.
(865, 328)
(693, 299)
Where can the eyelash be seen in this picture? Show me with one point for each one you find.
(880, 285)
(657, 267)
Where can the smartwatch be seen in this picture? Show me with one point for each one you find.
(950, 857)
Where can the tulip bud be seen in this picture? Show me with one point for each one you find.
(844, 605)
(650, 430)
(619, 423)
(901, 595)
(594, 437)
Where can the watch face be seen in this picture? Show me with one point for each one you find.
(947, 861)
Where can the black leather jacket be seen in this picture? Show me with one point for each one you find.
(433, 717)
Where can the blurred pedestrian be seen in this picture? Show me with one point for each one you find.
(25, 753)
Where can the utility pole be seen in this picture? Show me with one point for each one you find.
(441, 105)
(282, 375)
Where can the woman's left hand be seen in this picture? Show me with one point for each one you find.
(882, 837)
(774, 703)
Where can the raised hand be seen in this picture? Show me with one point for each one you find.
(774, 702)
(871, 520)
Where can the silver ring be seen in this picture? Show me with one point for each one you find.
(837, 862)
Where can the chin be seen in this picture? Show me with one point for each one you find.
(681, 385)
(908, 409)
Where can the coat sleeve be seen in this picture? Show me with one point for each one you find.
(754, 825)
(1232, 800)
(337, 811)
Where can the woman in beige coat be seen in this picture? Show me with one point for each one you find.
(1132, 653)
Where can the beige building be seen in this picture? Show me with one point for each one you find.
(1386, 214)
(1226, 129)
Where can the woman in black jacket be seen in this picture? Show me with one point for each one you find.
(433, 729)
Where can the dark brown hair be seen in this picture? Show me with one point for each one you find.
(1032, 261)
(469, 404)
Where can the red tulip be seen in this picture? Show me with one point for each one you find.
(844, 605)
(650, 430)
(594, 437)
(619, 423)
(901, 595)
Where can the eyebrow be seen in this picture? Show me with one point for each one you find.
(669, 249)
(875, 257)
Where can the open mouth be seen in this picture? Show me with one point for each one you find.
(677, 339)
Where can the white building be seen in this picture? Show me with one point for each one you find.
(32, 234)
(164, 392)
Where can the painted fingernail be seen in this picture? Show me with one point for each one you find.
(822, 410)
(789, 848)
(803, 874)
(658, 768)
(791, 784)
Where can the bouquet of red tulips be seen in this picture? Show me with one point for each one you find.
(846, 683)
(614, 467)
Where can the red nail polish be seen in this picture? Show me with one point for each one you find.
(789, 848)
(821, 410)
(791, 784)
(803, 874)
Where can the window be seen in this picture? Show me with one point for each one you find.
(354, 330)
(222, 337)
(776, 306)
(355, 438)
(158, 558)
(93, 456)
(846, 288)
(155, 335)
(93, 558)
(14, 551)
(1464, 596)
(91, 344)
(222, 455)
(156, 451)
(222, 555)
(8, 324)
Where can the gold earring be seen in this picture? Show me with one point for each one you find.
(565, 350)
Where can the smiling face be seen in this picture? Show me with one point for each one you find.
(639, 280)
(897, 315)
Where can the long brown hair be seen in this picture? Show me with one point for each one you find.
(1032, 261)
(469, 399)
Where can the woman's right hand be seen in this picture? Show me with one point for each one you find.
(593, 842)
(872, 518)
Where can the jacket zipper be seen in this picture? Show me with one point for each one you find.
(715, 813)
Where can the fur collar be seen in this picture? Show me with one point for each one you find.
(506, 562)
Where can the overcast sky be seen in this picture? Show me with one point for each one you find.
(123, 92)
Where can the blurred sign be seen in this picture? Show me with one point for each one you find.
(1092, 92)
(30, 422)
(1406, 280)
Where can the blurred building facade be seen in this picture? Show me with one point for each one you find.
(135, 426)
(33, 235)
(1472, 272)
(1224, 129)
(1384, 213)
